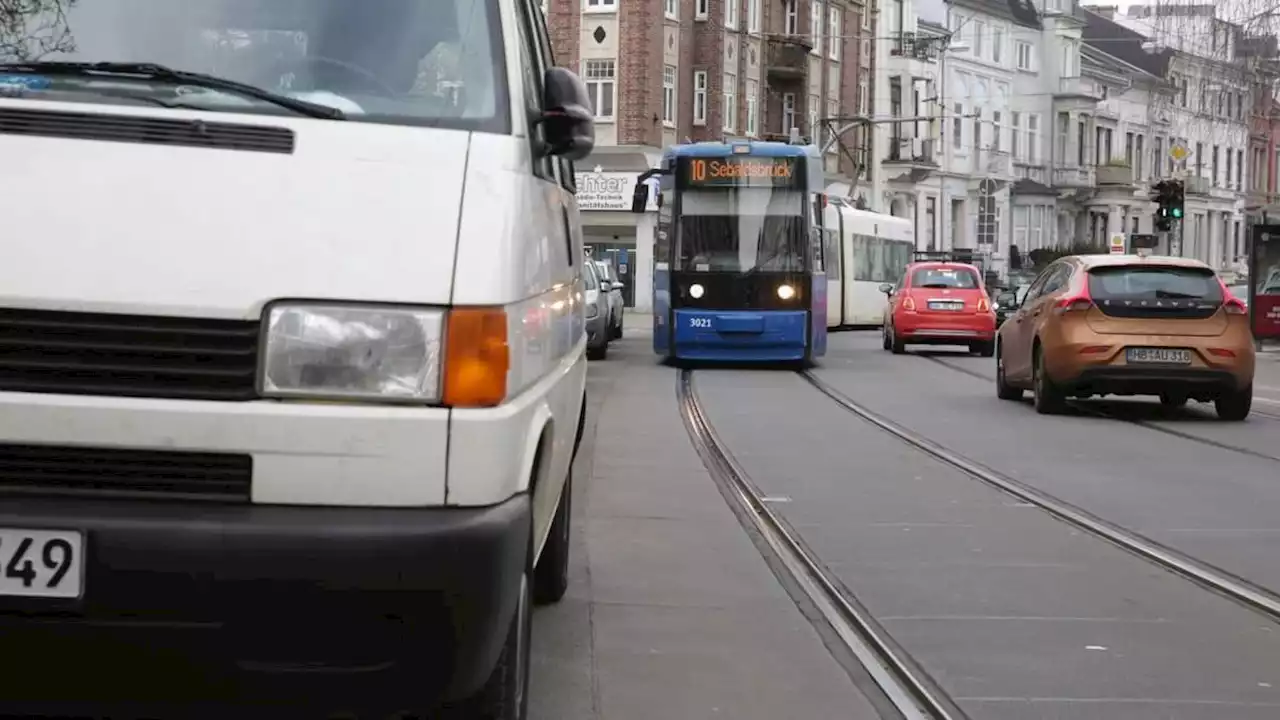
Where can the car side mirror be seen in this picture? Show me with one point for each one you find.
(617, 286)
(568, 122)
(886, 288)
(1006, 299)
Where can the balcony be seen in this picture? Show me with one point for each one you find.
(916, 47)
(1082, 88)
(1071, 176)
(913, 157)
(1114, 176)
(788, 58)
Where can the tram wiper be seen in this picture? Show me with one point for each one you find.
(153, 71)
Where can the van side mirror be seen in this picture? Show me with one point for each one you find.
(640, 197)
(886, 288)
(568, 122)
(1005, 299)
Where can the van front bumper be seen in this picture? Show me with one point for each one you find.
(240, 599)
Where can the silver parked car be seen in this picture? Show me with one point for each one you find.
(597, 312)
(612, 286)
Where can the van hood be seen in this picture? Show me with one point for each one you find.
(357, 212)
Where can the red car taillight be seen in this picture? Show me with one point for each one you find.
(984, 305)
(1235, 307)
(908, 304)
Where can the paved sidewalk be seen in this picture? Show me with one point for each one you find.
(672, 613)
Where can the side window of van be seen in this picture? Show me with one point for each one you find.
(534, 65)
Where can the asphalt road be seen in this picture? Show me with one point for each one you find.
(672, 611)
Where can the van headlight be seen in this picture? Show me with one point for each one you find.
(593, 309)
(360, 353)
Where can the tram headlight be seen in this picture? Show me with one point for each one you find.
(696, 291)
(786, 292)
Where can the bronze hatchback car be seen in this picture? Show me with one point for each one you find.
(1095, 325)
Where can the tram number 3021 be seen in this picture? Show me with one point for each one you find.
(700, 322)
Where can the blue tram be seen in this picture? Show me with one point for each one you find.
(738, 252)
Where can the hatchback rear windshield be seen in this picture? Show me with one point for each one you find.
(961, 278)
(1154, 283)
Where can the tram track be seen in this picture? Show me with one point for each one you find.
(903, 682)
(1260, 599)
(1090, 409)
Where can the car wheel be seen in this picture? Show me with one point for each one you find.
(1004, 390)
(1234, 405)
(1171, 400)
(505, 696)
(884, 338)
(985, 349)
(895, 345)
(598, 353)
(1049, 399)
(551, 576)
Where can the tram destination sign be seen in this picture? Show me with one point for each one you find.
(736, 171)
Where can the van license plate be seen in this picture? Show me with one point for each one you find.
(41, 563)
(1157, 356)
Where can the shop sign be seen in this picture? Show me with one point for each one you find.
(599, 190)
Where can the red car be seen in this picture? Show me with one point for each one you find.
(939, 303)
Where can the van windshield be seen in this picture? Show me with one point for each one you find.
(436, 63)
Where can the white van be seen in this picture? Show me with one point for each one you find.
(265, 394)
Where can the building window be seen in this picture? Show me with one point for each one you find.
(1239, 170)
(700, 97)
(753, 90)
(866, 18)
(814, 135)
(601, 4)
(790, 18)
(1023, 56)
(833, 36)
(730, 102)
(997, 45)
(788, 112)
(1015, 129)
(700, 9)
(931, 222)
(669, 96)
(753, 16)
(815, 28)
(601, 85)
(979, 34)
(957, 129)
(672, 10)
(864, 97)
(997, 129)
(731, 14)
(833, 111)
(1033, 139)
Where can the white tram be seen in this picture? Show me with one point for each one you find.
(863, 250)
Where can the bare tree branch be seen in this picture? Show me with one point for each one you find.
(32, 29)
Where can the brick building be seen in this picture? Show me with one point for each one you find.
(661, 72)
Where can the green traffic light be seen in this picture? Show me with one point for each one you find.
(1177, 212)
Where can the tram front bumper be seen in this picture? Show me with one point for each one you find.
(741, 335)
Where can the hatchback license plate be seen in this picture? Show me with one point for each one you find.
(1157, 356)
(41, 563)
(945, 305)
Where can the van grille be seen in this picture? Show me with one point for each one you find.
(96, 473)
(146, 130)
(128, 355)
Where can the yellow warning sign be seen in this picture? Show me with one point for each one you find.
(1178, 152)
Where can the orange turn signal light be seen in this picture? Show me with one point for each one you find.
(476, 357)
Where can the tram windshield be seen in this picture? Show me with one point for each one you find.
(742, 229)
(436, 63)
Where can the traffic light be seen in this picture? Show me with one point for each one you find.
(1168, 197)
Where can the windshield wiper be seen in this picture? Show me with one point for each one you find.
(152, 71)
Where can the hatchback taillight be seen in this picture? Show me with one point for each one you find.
(1235, 307)
(909, 304)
